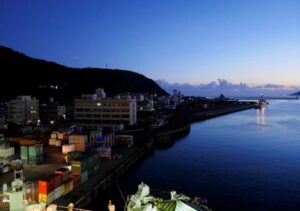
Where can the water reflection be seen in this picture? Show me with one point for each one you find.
(261, 117)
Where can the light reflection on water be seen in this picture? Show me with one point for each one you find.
(261, 117)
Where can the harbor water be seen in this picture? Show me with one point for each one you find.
(249, 160)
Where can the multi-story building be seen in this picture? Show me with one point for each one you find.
(53, 111)
(3, 111)
(23, 110)
(144, 102)
(92, 111)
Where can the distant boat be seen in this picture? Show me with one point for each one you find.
(261, 103)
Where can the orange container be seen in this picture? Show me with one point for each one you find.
(46, 186)
(28, 142)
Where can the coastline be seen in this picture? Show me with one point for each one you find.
(160, 138)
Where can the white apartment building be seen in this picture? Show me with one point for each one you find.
(23, 110)
(92, 111)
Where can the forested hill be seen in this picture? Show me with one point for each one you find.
(23, 75)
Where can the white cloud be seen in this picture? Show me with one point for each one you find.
(215, 88)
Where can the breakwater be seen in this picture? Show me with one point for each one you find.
(198, 116)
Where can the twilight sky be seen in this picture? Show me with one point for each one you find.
(193, 41)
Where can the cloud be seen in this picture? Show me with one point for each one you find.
(215, 88)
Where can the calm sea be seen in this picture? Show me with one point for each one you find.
(248, 160)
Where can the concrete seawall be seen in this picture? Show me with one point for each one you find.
(198, 116)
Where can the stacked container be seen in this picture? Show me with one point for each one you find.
(58, 143)
(64, 172)
(58, 139)
(32, 155)
(84, 166)
(35, 154)
(54, 135)
(62, 136)
(50, 188)
(7, 153)
(80, 141)
(53, 138)
(24, 154)
(68, 148)
(72, 156)
(76, 180)
(67, 187)
(28, 142)
(52, 142)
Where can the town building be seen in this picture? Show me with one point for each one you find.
(97, 111)
(144, 103)
(23, 110)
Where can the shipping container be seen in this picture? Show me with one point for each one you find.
(72, 156)
(58, 143)
(53, 135)
(76, 180)
(85, 162)
(81, 147)
(35, 160)
(64, 172)
(46, 186)
(78, 139)
(57, 178)
(66, 137)
(24, 159)
(15, 140)
(78, 166)
(60, 136)
(7, 151)
(57, 192)
(50, 183)
(24, 151)
(29, 142)
(33, 150)
(67, 187)
(84, 176)
(46, 198)
(68, 148)
(52, 142)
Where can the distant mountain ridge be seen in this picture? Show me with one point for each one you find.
(44, 79)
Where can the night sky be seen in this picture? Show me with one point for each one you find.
(193, 41)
